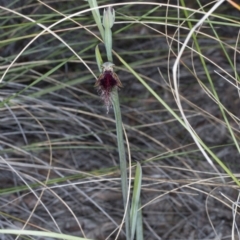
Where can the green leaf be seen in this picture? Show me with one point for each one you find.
(139, 226)
(135, 199)
(98, 58)
(96, 16)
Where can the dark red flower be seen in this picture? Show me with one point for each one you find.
(106, 82)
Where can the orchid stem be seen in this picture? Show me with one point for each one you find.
(122, 158)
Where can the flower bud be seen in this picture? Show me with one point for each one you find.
(108, 17)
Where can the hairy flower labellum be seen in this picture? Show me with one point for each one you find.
(106, 82)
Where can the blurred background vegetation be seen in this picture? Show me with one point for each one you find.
(58, 144)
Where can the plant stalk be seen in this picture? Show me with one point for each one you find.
(122, 159)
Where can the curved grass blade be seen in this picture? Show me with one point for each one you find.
(40, 233)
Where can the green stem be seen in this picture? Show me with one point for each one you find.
(108, 43)
(122, 158)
